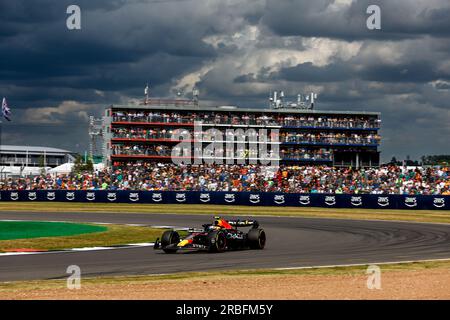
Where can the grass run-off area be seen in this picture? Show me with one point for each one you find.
(105, 236)
(13, 230)
(441, 216)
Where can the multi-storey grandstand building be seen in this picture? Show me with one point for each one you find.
(144, 132)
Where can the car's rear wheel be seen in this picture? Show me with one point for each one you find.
(169, 237)
(217, 241)
(256, 239)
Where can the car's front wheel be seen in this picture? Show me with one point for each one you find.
(169, 237)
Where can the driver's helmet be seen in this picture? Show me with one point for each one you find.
(218, 222)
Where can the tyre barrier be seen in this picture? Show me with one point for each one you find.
(367, 201)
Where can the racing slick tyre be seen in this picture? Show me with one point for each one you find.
(217, 241)
(256, 239)
(169, 237)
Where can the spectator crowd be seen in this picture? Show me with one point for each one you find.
(284, 137)
(298, 179)
(156, 150)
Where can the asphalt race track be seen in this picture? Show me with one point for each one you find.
(291, 242)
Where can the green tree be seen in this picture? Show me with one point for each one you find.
(89, 165)
(78, 165)
(393, 160)
(436, 160)
(41, 164)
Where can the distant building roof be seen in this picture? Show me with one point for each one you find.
(33, 149)
(188, 107)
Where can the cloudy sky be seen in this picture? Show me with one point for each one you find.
(235, 52)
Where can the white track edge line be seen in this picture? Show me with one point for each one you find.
(126, 246)
(361, 264)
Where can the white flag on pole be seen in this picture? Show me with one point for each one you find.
(6, 111)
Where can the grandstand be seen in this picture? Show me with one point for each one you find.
(143, 133)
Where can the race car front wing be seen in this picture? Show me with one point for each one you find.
(189, 246)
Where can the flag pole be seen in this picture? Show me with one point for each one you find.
(1, 144)
(1, 165)
(146, 93)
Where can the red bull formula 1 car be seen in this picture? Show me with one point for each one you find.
(219, 236)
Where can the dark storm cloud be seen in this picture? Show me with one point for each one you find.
(415, 71)
(400, 19)
(236, 52)
(443, 85)
(109, 53)
(308, 72)
(21, 16)
(250, 77)
(418, 71)
(121, 46)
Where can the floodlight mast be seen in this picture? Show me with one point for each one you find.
(95, 132)
(195, 95)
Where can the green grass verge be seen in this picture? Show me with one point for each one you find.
(114, 235)
(185, 276)
(441, 216)
(10, 230)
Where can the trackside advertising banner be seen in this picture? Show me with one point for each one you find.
(370, 201)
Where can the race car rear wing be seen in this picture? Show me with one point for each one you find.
(244, 223)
